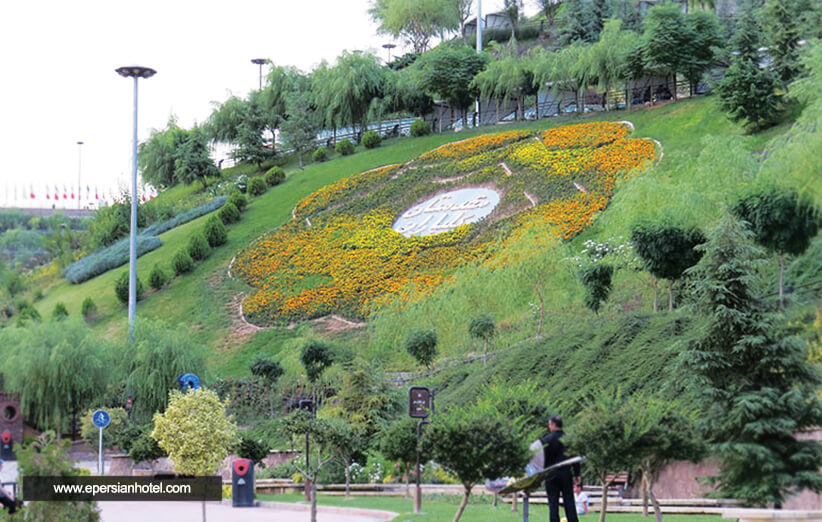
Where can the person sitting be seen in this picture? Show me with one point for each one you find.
(580, 499)
(6, 500)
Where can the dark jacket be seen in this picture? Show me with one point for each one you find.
(555, 450)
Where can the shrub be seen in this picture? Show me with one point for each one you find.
(241, 183)
(321, 154)
(257, 186)
(371, 139)
(184, 217)
(344, 147)
(422, 346)
(60, 312)
(121, 288)
(157, 278)
(229, 213)
(420, 128)
(182, 262)
(108, 258)
(198, 247)
(215, 232)
(238, 200)
(251, 448)
(275, 176)
(88, 308)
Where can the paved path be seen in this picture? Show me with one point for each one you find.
(192, 512)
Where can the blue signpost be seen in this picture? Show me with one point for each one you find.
(101, 419)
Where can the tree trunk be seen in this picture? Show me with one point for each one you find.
(300, 155)
(674, 75)
(463, 502)
(520, 116)
(514, 503)
(335, 136)
(408, 480)
(644, 493)
(671, 295)
(313, 502)
(541, 308)
(497, 104)
(656, 294)
(204, 513)
(347, 480)
(781, 279)
(604, 506)
(536, 106)
(657, 509)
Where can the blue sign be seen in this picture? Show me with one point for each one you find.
(101, 418)
(188, 381)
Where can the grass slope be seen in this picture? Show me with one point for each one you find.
(204, 302)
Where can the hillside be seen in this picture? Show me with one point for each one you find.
(704, 163)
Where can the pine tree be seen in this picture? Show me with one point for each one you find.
(783, 35)
(600, 13)
(576, 23)
(757, 388)
(747, 93)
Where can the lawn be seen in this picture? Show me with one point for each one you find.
(442, 509)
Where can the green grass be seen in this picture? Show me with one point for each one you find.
(204, 300)
(442, 509)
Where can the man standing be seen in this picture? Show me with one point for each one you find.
(562, 479)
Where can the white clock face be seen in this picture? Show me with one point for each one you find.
(446, 212)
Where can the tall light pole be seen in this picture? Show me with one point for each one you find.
(479, 49)
(388, 46)
(79, 172)
(260, 62)
(136, 72)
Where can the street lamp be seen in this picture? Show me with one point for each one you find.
(260, 62)
(79, 171)
(136, 72)
(388, 46)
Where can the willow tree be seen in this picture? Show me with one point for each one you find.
(508, 77)
(415, 21)
(607, 59)
(354, 82)
(564, 71)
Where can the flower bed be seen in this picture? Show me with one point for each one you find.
(340, 255)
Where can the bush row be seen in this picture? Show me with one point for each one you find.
(184, 217)
(108, 258)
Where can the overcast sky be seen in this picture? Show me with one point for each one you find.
(58, 83)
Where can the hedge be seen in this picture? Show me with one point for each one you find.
(184, 217)
(110, 257)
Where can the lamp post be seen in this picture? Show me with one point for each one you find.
(479, 49)
(260, 62)
(79, 171)
(388, 46)
(136, 72)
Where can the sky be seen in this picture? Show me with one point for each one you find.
(58, 83)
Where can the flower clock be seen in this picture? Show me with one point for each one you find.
(407, 227)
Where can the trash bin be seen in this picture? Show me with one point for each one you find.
(6, 447)
(242, 483)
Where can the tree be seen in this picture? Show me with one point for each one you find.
(566, 70)
(704, 37)
(607, 60)
(157, 156)
(224, 121)
(550, 8)
(747, 92)
(355, 81)
(609, 431)
(477, 443)
(59, 370)
(509, 76)
(667, 36)
(367, 399)
(483, 328)
(192, 160)
(601, 12)
(196, 432)
(782, 30)
(463, 10)
(576, 23)
(755, 383)
(781, 221)
(627, 11)
(345, 442)
(415, 21)
(315, 357)
(667, 251)
(159, 356)
(269, 372)
(398, 442)
(251, 146)
(422, 346)
(447, 73)
(513, 10)
(303, 123)
(47, 456)
(596, 279)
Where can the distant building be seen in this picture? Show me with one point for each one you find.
(498, 20)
